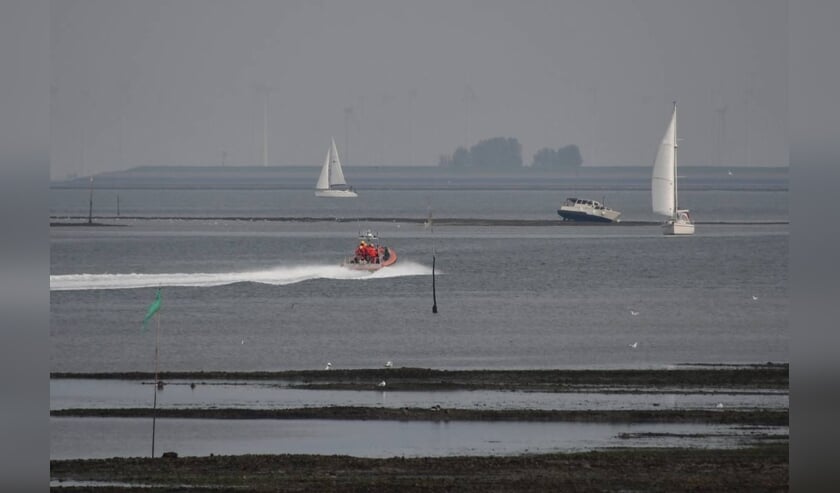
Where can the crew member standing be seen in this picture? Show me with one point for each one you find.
(361, 252)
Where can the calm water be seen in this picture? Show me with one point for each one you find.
(268, 295)
(71, 393)
(265, 295)
(72, 438)
(709, 205)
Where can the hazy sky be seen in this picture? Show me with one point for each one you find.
(177, 82)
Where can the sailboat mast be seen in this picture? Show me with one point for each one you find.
(676, 145)
(332, 163)
(265, 130)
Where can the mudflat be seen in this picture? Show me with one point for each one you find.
(763, 468)
(690, 378)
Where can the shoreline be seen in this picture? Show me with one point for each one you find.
(759, 464)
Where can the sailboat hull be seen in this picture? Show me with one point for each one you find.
(677, 229)
(336, 193)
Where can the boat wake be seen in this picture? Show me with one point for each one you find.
(277, 276)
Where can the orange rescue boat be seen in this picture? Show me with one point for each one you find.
(370, 255)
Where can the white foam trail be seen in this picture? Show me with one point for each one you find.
(275, 276)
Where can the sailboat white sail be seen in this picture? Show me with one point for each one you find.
(331, 182)
(664, 184)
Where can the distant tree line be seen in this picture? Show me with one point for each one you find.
(495, 153)
(506, 153)
(564, 157)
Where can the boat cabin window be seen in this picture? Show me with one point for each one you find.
(572, 201)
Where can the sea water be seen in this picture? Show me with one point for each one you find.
(269, 295)
(252, 293)
(187, 394)
(72, 438)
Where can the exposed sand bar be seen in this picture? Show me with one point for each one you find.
(756, 417)
(770, 377)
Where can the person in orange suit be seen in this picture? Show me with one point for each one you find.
(361, 252)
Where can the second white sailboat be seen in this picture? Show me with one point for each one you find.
(664, 184)
(331, 182)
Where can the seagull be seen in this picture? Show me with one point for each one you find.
(329, 366)
(381, 384)
(243, 341)
(755, 298)
(634, 345)
(388, 364)
(730, 172)
(719, 405)
(634, 312)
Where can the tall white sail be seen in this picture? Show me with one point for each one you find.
(331, 182)
(336, 175)
(662, 183)
(324, 178)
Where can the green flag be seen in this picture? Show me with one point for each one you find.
(153, 308)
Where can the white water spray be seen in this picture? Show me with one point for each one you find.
(277, 276)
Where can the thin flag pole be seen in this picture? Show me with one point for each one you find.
(434, 293)
(157, 346)
(430, 221)
(154, 309)
(154, 405)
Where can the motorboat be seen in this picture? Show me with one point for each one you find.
(585, 210)
(370, 255)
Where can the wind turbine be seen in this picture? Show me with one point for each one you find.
(468, 99)
(721, 136)
(348, 115)
(412, 96)
(351, 121)
(124, 87)
(748, 96)
(266, 91)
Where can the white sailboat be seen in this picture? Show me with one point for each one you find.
(664, 184)
(331, 183)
